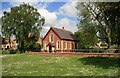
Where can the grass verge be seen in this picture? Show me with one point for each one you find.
(35, 65)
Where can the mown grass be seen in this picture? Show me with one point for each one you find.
(35, 65)
(4, 52)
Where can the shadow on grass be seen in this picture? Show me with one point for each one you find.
(104, 62)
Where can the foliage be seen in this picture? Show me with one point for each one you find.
(33, 46)
(107, 16)
(35, 65)
(22, 21)
(87, 30)
(15, 52)
(10, 52)
(4, 52)
(36, 47)
(87, 39)
(111, 13)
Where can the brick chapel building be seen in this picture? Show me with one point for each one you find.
(59, 40)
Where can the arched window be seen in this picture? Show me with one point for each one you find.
(75, 45)
(70, 47)
(51, 38)
(58, 44)
(64, 45)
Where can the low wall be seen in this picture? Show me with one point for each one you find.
(88, 51)
(78, 54)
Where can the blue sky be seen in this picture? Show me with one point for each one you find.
(57, 14)
(54, 6)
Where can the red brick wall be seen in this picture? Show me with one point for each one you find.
(69, 47)
(56, 38)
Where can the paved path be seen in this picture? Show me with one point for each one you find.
(1, 56)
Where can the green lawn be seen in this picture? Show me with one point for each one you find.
(35, 65)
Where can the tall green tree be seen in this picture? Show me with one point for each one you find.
(87, 30)
(110, 13)
(22, 21)
(107, 16)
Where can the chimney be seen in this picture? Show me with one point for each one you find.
(62, 28)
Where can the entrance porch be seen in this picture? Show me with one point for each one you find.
(50, 48)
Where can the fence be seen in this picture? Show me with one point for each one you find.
(87, 51)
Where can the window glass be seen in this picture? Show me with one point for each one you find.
(64, 44)
(75, 45)
(51, 38)
(58, 44)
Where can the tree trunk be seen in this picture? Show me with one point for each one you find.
(21, 46)
(9, 42)
(109, 37)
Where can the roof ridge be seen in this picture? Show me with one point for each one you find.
(63, 34)
(61, 29)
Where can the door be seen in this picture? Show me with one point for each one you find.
(50, 49)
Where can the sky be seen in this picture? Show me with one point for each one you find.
(57, 14)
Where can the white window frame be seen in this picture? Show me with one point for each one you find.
(57, 45)
(50, 38)
(65, 44)
(70, 45)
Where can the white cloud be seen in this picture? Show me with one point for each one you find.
(68, 9)
(21, 1)
(41, 5)
(17, 2)
(8, 10)
(31, 2)
(1, 14)
(51, 20)
(44, 30)
(67, 24)
(34, 0)
(50, 17)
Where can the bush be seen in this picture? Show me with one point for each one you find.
(114, 47)
(12, 51)
(36, 47)
(15, 52)
(18, 52)
(29, 46)
(5, 52)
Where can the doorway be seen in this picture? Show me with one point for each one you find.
(50, 49)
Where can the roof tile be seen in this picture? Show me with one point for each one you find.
(64, 34)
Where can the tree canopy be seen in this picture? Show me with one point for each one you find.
(22, 21)
(106, 15)
(87, 29)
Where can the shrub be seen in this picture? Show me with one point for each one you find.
(36, 47)
(114, 47)
(5, 52)
(18, 52)
(13, 52)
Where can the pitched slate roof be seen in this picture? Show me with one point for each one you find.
(64, 34)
